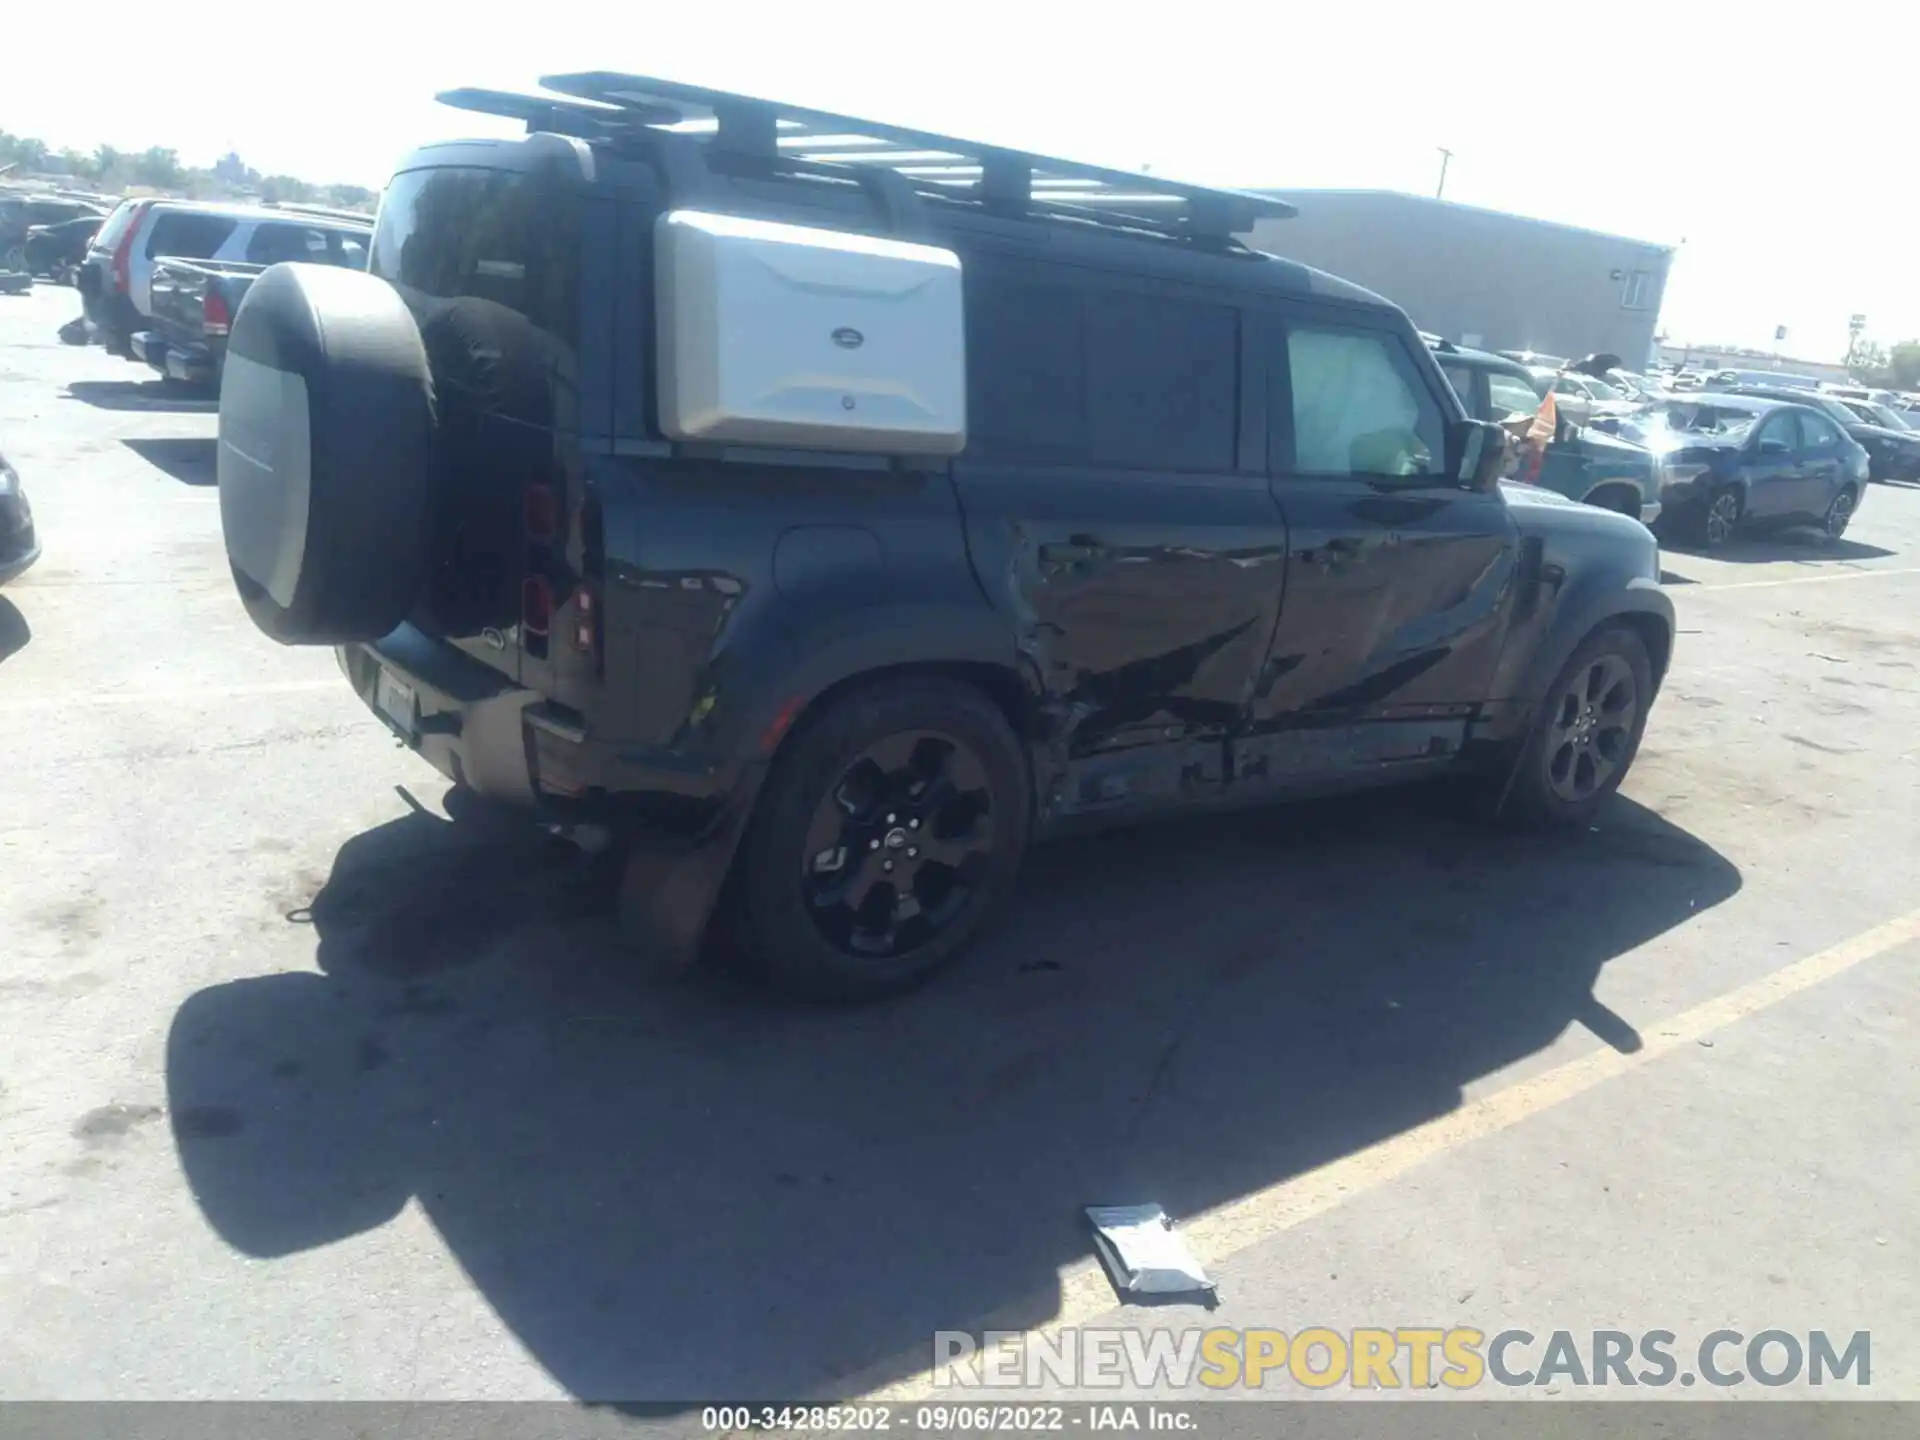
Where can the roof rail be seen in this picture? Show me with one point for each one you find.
(326, 212)
(605, 105)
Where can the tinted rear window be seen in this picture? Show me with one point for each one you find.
(190, 236)
(1076, 374)
(506, 236)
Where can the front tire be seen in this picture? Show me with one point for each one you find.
(889, 834)
(1712, 524)
(1587, 731)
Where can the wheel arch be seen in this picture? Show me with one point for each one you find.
(1641, 606)
(1626, 491)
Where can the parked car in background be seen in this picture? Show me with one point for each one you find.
(19, 213)
(116, 278)
(1780, 379)
(194, 301)
(1739, 462)
(1580, 463)
(1892, 450)
(56, 250)
(1861, 392)
(19, 546)
(1874, 412)
(1533, 359)
(1580, 397)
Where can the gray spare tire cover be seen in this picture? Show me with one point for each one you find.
(325, 456)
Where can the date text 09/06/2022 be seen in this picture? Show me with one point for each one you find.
(942, 1418)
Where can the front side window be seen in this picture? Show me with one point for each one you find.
(1358, 406)
(1779, 430)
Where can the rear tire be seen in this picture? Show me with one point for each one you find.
(1586, 733)
(1839, 515)
(888, 836)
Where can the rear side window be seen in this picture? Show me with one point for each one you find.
(1081, 375)
(273, 244)
(501, 235)
(190, 236)
(1358, 408)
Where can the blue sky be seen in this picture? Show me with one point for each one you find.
(1774, 150)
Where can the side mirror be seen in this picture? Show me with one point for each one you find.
(1478, 451)
(1773, 447)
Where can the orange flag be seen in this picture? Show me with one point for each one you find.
(1546, 420)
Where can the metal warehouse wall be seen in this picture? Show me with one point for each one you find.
(1482, 277)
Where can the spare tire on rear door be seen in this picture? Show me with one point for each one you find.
(325, 459)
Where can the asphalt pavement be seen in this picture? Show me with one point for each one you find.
(310, 1090)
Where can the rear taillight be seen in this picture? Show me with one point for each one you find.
(123, 251)
(216, 317)
(586, 620)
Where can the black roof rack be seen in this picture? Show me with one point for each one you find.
(605, 105)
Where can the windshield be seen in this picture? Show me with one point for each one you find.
(1878, 415)
(1684, 418)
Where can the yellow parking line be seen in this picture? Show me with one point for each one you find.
(1217, 1235)
(1801, 579)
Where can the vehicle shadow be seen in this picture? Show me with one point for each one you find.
(14, 630)
(1806, 546)
(188, 460)
(678, 1191)
(158, 395)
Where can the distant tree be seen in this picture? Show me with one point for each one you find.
(22, 150)
(160, 168)
(351, 197)
(1867, 359)
(1903, 364)
(285, 187)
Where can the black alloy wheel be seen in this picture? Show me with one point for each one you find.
(889, 833)
(1591, 728)
(898, 844)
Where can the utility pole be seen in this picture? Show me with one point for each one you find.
(1440, 190)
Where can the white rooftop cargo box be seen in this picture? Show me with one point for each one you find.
(776, 334)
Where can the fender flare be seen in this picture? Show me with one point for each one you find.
(793, 670)
(669, 895)
(1589, 609)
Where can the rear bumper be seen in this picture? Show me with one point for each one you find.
(193, 363)
(481, 730)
